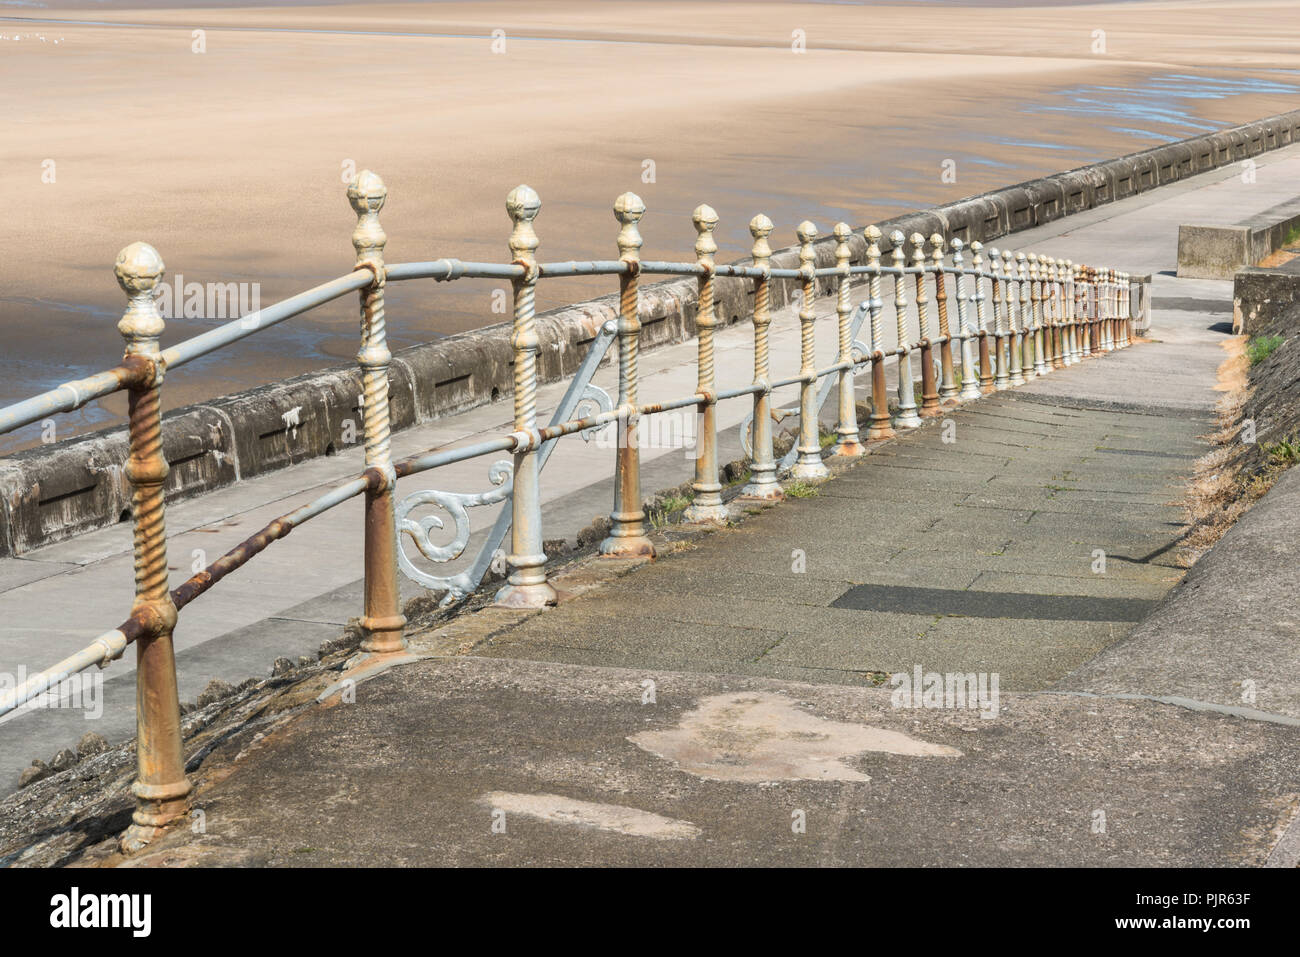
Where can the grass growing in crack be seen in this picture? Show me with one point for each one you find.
(1261, 347)
(1285, 453)
(827, 439)
(675, 503)
(800, 489)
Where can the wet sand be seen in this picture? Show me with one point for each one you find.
(231, 161)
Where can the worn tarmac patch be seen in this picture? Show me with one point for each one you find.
(558, 809)
(906, 599)
(758, 736)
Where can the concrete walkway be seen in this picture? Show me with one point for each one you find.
(917, 556)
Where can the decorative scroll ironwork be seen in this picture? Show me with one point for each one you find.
(456, 504)
(601, 401)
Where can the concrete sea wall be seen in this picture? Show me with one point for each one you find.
(57, 491)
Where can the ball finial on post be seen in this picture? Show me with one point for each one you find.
(873, 235)
(807, 232)
(522, 205)
(628, 210)
(705, 219)
(760, 227)
(139, 269)
(367, 195)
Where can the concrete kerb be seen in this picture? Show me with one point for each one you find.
(252, 433)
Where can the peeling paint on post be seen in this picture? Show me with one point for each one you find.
(947, 381)
(879, 427)
(528, 587)
(848, 444)
(986, 363)
(1001, 297)
(383, 622)
(160, 788)
(763, 485)
(808, 466)
(906, 417)
(627, 537)
(970, 388)
(707, 506)
(929, 390)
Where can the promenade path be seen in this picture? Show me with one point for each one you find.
(724, 704)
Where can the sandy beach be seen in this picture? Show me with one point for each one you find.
(231, 161)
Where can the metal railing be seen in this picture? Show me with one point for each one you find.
(1024, 316)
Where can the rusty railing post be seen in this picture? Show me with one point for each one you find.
(879, 427)
(1053, 295)
(1066, 275)
(970, 388)
(1001, 313)
(947, 380)
(1080, 291)
(527, 586)
(848, 443)
(1095, 313)
(627, 537)
(977, 296)
(707, 506)
(1017, 302)
(905, 417)
(382, 623)
(809, 465)
(161, 788)
(1042, 266)
(1108, 311)
(1031, 307)
(1015, 338)
(762, 483)
(1125, 308)
(929, 390)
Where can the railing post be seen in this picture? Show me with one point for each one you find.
(1108, 296)
(1116, 318)
(808, 466)
(627, 537)
(160, 787)
(1052, 294)
(1097, 314)
(527, 587)
(1067, 308)
(1080, 291)
(986, 364)
(970, 388)
(1017, 302)
(1103, 306)
(1000, 316)
(849, 443)
(762, 476)
(1041, 275)
(1031, 305)
(1015, 337)
(947, 380)
(382, 623)
(906, 417)
(1125, 308)
(929, 390)
(879, 427)
(707, 506)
